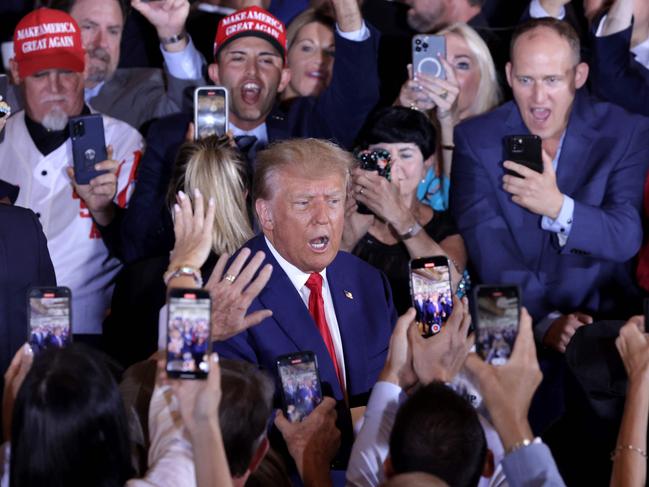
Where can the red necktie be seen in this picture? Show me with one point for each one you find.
(317, 310)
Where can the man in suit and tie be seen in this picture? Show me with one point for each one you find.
(323, 300)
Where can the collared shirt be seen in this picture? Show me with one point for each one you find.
(185, 64)
(537, 11)
(298, 279)
(641, 51)
(563, 223)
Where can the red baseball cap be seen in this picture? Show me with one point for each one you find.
(251, 21)
(48, 39)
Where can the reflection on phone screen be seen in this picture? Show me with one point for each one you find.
(301, 386)
(497, 325)
(188, 336)
(432, 298)
(49, 322)
(210, 114)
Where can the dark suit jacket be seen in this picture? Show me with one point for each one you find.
(338, 113)
(615, 74)
(24, 262)
(602, 167)
(366, 316)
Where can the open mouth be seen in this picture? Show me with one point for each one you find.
(540, 114)
(320, 75)
(319, 244)
(250, 92)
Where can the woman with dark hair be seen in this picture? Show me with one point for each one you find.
(69, 426)
(400, 227)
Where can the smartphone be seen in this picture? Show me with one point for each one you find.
(49, 316)
(497, 311)
(189, 342)
(88, 146)
(301, 391)
(431, 292)
(525, 150)
(426, 51)
(5, 109)
(210, 111)
(373, 160)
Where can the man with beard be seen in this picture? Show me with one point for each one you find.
(135, 95)
(250, 57)
(36, 155)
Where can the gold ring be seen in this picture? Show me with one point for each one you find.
(443, 94)
(230, 278)
(360, 191)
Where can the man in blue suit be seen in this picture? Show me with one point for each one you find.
(299, 192)
(566, 235)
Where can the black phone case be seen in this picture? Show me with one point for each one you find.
(88, 146)
(524, 150)
(425, 50)
(4, 87)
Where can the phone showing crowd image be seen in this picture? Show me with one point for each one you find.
(188, 334)
(301, 391)
(210, 111)
(48, 309)
(426, 51)
(431, 292)
(497, 312)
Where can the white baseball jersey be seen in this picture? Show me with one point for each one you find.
(81, 260)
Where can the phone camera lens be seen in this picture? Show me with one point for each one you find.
(425, 45)
(417, 41)
(418, 49)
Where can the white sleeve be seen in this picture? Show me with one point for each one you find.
(185, 64)
(372, 443)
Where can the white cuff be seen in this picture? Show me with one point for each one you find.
(185, 64)
(359, 35)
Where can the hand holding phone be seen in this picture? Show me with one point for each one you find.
(431, 293)
(301, 390)
(378, 160)
(189, 341)
(497, 315)
(525, 150)
(50, 321)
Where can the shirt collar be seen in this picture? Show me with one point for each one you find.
(260, 131)
(90, 93)
(641, 52)
(296, 276)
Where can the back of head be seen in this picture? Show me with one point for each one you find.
(399, 125)
(414, 479)
(438, 432)
(310, 157)
(244, 412)
(489, 94)
(217, 171)
(69, 425)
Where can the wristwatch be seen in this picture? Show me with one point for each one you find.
(183, 270)
(411, 232)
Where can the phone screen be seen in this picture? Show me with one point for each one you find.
(188, 334)
(497, 314)
(49, 318)
(300, 385)
(432, 298)
(210, 105)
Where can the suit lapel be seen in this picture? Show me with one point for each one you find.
(572, 169)
(349, 313)
(292, 316)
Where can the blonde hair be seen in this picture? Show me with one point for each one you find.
(217, 171)
(308, 16)
(311, 157)
(489, 94)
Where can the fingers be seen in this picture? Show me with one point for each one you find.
(281, 422)
(257, 285)
(238, 262)
(583, 317)
(256, 318)
(189, 134)
(524, 345)
(214, 375)
(524, 171)
(217, 273)
(404, 322)
(24, 353)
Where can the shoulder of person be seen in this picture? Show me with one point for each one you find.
(121, 133)
(486, 124)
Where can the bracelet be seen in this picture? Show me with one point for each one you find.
(183, 270)
(165, 41)
(448, 146)
(412, 231)
(522, 444)
(621, 448)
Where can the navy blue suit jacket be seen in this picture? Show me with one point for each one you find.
(338, 113)
(602, 167)
(366, 316)
(24, 262)
(616, 75)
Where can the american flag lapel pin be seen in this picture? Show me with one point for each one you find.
(349, 295)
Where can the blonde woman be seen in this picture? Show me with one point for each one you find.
(471, 88)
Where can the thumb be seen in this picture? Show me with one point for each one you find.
(547, 162)
(281, 422)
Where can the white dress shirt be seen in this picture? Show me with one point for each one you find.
(298, 279)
